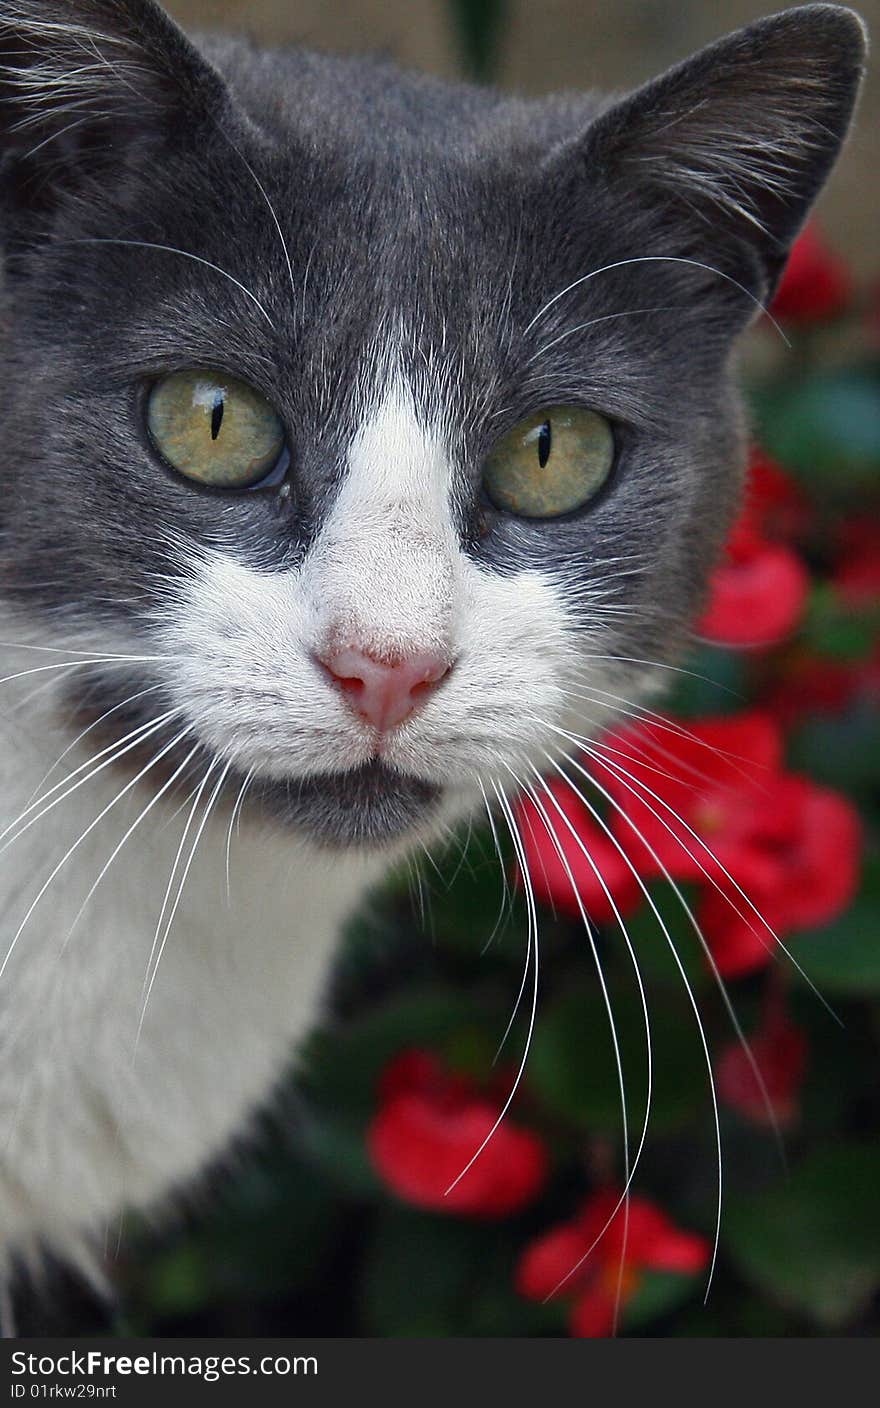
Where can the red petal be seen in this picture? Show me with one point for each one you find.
(780, 1053)
(409, 1070)
(710, 774)
(599, 879)
(419, 1146)
(549, 1259)
(816, 283)
(774, 501)
(823, 857)
(756, 599)
(592, 1315)
(741, 940)
(652, 1239)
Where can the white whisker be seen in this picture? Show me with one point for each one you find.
(66, 857)
(533, 943)
(183, 879)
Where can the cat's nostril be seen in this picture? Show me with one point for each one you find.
(385, 693)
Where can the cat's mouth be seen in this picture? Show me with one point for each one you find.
(369, 805)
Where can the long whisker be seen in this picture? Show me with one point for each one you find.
(184, 254)
(692, 919)
(261, 188)
(115, 751)
(71, 650)
(660, 665)
(236, 813)
(606, 997)
(66, 857)
(605, 318)
(96, 723)
(631, 783)
(166, 787)
(183, 879)
(533, 943)
(703, 1041)
(656, 259)
(105, 660)
(648, 757)
(662, 721)
(199, 792)
(506, 894)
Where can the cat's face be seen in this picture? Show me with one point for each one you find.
(393, 421)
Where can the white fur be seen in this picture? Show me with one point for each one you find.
(89, 1125)
(94, 1121)
(387, 573)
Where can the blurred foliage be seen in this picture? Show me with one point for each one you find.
(479, 25)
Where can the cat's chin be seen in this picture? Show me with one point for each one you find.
(367, 808)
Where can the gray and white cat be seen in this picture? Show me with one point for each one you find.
(359, 432)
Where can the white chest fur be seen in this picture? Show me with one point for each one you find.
(94, 1117)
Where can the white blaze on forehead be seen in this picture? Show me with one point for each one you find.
(383, 570)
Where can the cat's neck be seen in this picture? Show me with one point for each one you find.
(128, 1056)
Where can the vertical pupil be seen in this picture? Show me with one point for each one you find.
(545, 443)
(217, 415)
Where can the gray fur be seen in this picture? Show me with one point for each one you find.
(368, 248)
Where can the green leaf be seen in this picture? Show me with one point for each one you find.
(470, 908)
(832, 628)
(843, 752)
(844, 957)
(178, 1281)
(827, 426)
(813, 1243)
(436, 1276)
(572, 1070)
(479, 24)
(651, 944)
(341, 1067)
(712, 681)
(658, 1293)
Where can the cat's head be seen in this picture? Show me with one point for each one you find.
(392, 421)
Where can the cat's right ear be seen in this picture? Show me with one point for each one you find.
(81, 81)
(731, 147)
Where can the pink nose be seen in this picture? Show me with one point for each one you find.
(384, 694)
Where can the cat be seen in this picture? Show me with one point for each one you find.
(362, 435)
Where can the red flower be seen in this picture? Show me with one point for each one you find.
(812, 684)
(551, 882)
(707, 780)
(816, 284)
(652, 1242)
(758, 593)
(756, 597)
(801, 870)
(429, 1125)
(857, 578)
(710, 802)
(775, 503)
(779, 1049)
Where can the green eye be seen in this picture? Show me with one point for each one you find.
(214, 429)
(550, 464)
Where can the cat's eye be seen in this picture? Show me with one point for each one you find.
(552, 463)
(215, 429)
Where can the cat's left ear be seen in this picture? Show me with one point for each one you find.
(82, 80)
(734, 144)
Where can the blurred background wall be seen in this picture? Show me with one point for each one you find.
(545, 44)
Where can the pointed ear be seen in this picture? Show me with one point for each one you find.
(740, 138)
(79, 79)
